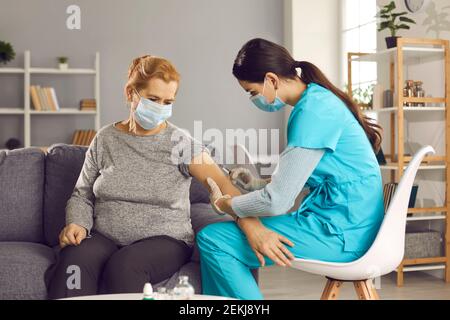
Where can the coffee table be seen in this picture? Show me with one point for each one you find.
(138, 296)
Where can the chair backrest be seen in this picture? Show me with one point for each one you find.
(387, 250)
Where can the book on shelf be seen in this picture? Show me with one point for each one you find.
(83, 137)
(389, 191)
(35, 98)
(88, 104)
(44, 98)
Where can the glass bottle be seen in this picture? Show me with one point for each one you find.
(408, 91)
(170, 295)
(419, 92)
(183, 290)
(161, 293)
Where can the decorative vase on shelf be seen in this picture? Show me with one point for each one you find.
(62, 63)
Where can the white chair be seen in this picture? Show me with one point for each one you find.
(386, 252)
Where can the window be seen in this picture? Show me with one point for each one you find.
(359, 34)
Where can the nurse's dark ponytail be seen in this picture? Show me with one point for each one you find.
(259, 56)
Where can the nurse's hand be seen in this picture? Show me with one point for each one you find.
(243, 178)
(215, 194)
(265, 242)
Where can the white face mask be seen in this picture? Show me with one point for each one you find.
(150, 114)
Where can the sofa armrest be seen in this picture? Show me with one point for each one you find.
(202, 214)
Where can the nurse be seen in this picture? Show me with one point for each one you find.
(330, 151)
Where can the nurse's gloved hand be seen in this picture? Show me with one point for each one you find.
(243, 178)
(215, 194)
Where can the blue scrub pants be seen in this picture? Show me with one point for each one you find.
(226, 256)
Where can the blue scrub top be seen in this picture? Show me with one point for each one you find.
(346, 193)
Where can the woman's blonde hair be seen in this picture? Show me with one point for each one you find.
(147, 67)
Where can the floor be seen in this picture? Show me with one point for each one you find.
(286, 283)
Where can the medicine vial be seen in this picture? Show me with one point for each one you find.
(183, 290)
(148, 292)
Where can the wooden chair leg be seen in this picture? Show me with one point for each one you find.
(331, 290)
(366, 290)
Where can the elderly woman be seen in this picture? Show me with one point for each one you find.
(128, 219)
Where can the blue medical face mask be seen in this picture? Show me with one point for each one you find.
(260, 101)
(150, 114)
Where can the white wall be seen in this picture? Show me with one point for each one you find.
(312, 34)
(201, 37)
(422, 26)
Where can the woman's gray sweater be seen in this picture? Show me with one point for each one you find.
(133, 187)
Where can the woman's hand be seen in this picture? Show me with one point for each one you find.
(243, 178)
(72, 234)
(266, 242)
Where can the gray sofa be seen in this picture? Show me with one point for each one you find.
(34, 189)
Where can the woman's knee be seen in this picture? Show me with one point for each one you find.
(91, 251)
(115, 268)
(155, 258)
(73, 255)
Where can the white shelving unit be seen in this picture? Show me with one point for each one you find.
(28, 113)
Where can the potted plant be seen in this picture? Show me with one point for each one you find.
(63, 63)
(389, 21)
(362, 96)
(6, 52)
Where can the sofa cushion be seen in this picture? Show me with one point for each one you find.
(21, 194)
(22, 269)
(201, 215)
(198, 193)
(63, 164)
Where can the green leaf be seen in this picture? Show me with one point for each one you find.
(400, 13)
(403, 26)
(405, 19)
(7, 52)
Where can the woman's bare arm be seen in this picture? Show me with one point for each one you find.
(203, 166)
